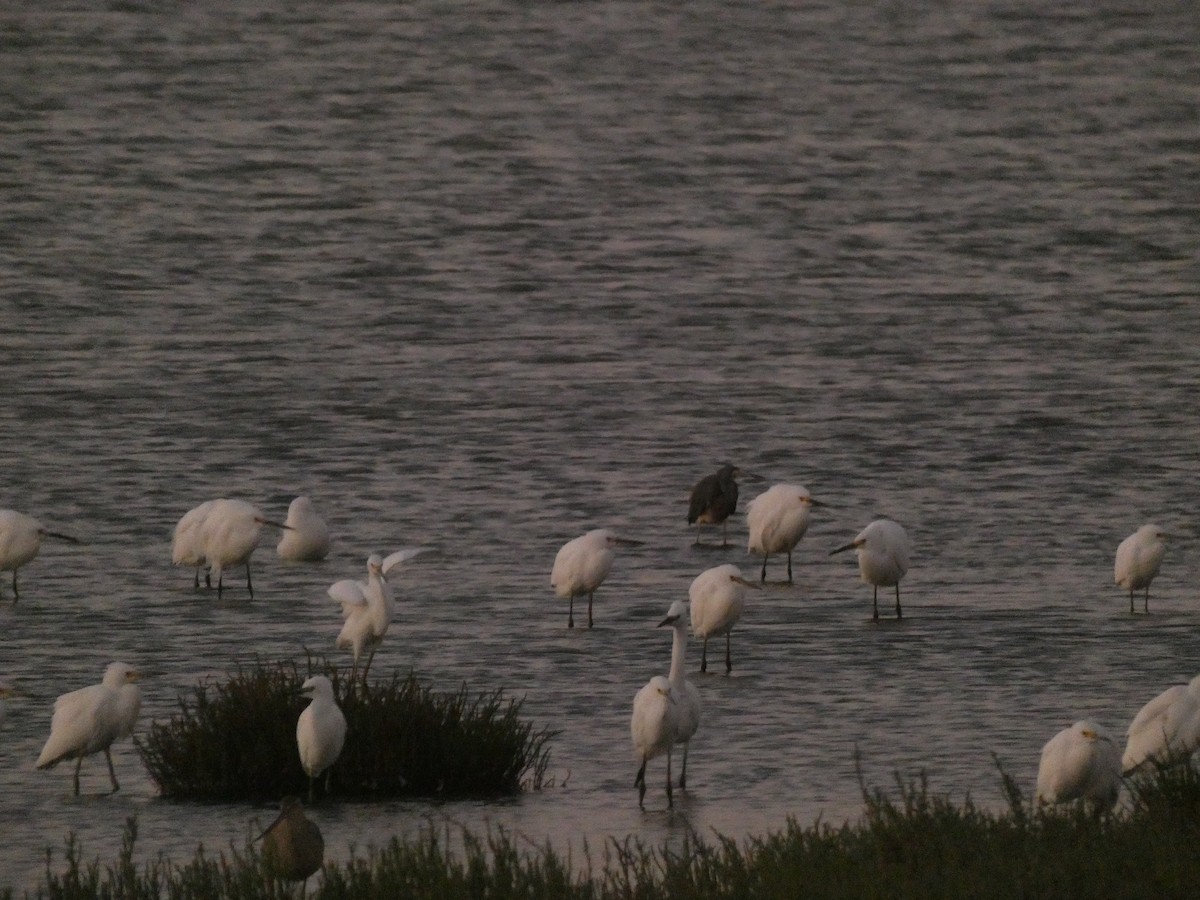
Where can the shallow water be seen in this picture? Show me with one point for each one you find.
(484, 279)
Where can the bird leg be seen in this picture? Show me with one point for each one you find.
(695, 543)
(78, 766)
(111, 774)
(899, 614)
(1132, 610)
(571, 613)
(208, 578)
(764, 569)
(725, 533)
(789, 567)
(220, 584)
(589, 609)
(639, 782)
(249, 586)
(16, 595)
(704, 656)
(683, 774)
(876, 601)
(196, 581)
(670, 798)
(367, 668)
(728, 655)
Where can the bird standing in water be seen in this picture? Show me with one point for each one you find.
(1138, 559)
(714, 499)
(581, 566)
(883, 552)
(777, 519)
(20, 540)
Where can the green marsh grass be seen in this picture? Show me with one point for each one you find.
(235, 740)
(907, 844)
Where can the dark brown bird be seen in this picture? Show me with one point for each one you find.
(714, 499)
(293, 848)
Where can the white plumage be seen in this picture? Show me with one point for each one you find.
(20, 540)
(581, 565)
(777, 520)
(368, 606)
(320, 730)
(883, 551)
(1081, 762)
(187, 546)
(686, 697)
(718, 596)
(90, 719)
(653, 728)
(1165, 729)
(230, 533)
(306, 536)
(1138, 559)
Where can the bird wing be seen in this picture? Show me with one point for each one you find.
(394, 559)
(350, 593)
(1151, 730)
(79, 724)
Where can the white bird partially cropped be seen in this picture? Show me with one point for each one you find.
(187, 546)
(778, 519)
(685, 695)
(368, 607)
(20, 539)
(1138, 559)
(90, 719)
(883, 552)
(581, 566)
(1165, 730)
(231, 532)
(307, 537)
(320, 730)
(718, 596)
(1081, 762)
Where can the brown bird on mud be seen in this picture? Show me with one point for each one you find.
(293, 848)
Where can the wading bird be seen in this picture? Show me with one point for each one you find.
(1138, 559)
(20, 539)
(307, 537)
(293, 848)
(686, 697)
(231, 532)
(883, 551)
(1080, 763)
(187, 547)
(88, 720)
(717, 596)
(368, 607)
(581, 566)
(320, 731)
(1165, 730)
(653, 727)
(714, 499)
(777, 519)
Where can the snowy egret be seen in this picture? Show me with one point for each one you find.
(231, 532)
(718, 596)
(368, 607)
(320, 731)
(684, 693)
(581, 566)
(653, 728)
(88, 720)
(187, 547)
(777, 519)
(293, 848)
(1138, 559)
(1165, 730)
(714, 499)
(883, 551)
(1080, 763)
(20, 539)
(308, 537)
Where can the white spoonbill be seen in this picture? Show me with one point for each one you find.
(653, 728)
(686, 697)
(777, 519)
(293, 848)
(231, 532)
(88, 720)
(1138, 559)
(187, 546)
(1165, 730)
(581, 566)
(320, 731)
(368, 607)
(20, 539)
(1081, 762)
(714, 499)
(307, 539)
(718, 596)
(883, 551)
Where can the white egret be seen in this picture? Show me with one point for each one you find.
(653, 728)
(684, 693)
(717, 596)
(777, 519)
(20, 539)
(293, 848)
(368, 607)
(307, 539)
(1138, 559)
(187, 547)
(883, 552)
(320, 730)
(581, 566)
(88, 720)
(231, 532)
(1165, 730)
(714, 499)
(1081, 762)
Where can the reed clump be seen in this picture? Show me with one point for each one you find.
(235, 740)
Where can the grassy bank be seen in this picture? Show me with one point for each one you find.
(909, 843)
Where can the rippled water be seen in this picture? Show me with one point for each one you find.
(484, 277)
